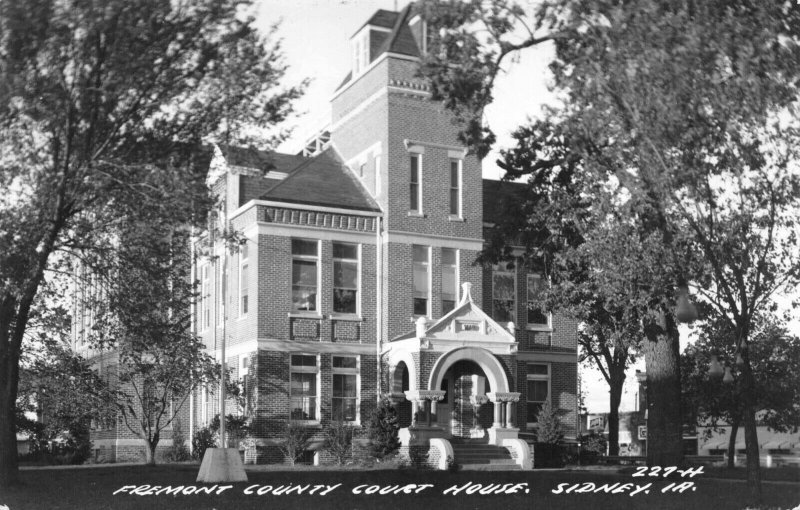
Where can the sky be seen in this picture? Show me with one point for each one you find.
(315, 40)
(316, 43)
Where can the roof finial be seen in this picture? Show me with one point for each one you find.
(466, 294)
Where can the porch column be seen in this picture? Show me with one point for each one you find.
(497, 414)
(511, 402)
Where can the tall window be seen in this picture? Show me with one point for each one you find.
(455, 187)
(244, 276)
(361, 52)
(205, 312)
(421, 280)
(305, 258)
(345, 278)
(536, 313)
(503, 292)
(538, 387)
(303, 387)
(449, 279)
(415, 188)
(344, 404)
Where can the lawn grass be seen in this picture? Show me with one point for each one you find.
(93, 488)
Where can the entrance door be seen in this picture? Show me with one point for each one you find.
(468, 381)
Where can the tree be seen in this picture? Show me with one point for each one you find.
(685, 108)
(144, 320)
(775, 359)
(102, 110)
(384, 424)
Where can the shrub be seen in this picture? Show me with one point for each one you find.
(296, 440)
(236, 429)
(203, 439)
(339, 441)
(549, 429)
(383, 428)
(178, 452)
(549, 433)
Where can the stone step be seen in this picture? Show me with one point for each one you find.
(489, 467)
(475, 460)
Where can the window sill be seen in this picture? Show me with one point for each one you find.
(416, 214)
(453, 217)
(346, 317)
(305, 315)
(316, 424)
(539, 327)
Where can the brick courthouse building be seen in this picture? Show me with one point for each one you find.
(358, 279)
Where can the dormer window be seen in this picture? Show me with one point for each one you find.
(360, 52)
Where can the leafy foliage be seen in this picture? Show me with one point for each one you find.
(549, 429)
(204, 438)
(775, 358)
(296, 440)
(680, 117)
(103, 108)
(384, 424)
(339, 441)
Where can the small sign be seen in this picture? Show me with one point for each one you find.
(643, 432)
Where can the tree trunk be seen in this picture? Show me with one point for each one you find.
(615, 396)
(664, 423)
(732, 442)
(9, 468)
(750, 433)
(150, 452)
(9, 383)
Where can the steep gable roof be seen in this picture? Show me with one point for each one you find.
(400, 40)
(249, 157)
(323, 180)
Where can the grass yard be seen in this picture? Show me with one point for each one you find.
(93, 488)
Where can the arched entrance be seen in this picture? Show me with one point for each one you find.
(464, 411)
(467, 374)
(401, 382)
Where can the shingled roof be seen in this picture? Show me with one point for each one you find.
(400, 40)
(249, 157)
(323, 180)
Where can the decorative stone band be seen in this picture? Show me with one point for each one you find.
(504, 396)
(316, 219)
(421, 395)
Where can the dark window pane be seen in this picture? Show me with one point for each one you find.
(304, 360)
(344, 301)
(454, 201)
(345, 251)
(537, 369)
(345, 274)
(447, 306)
(304, 247)
(420, 306)
(533, 412)
(344, 362)
(503, 311)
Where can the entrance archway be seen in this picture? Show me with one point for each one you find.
(467, 374)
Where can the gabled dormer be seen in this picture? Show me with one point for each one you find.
(368, 39)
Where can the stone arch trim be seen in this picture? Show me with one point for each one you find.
(491, 366)
(395, 358)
